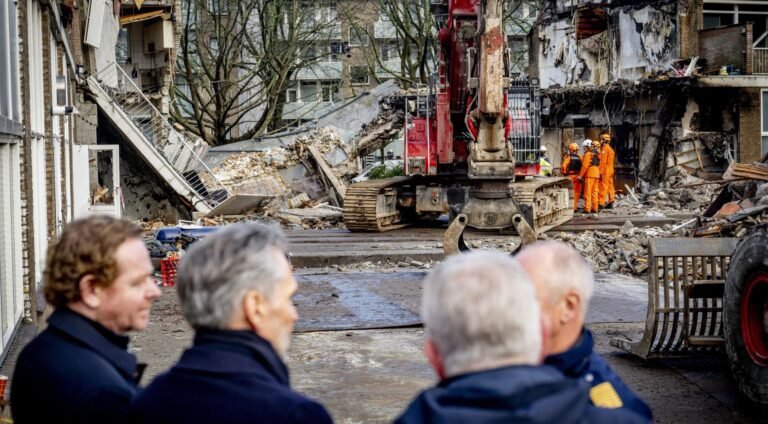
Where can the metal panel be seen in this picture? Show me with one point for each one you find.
(95, 23)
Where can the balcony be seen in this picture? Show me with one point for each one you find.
(760, 61)
(384, 30)
(321, 71)
(388, 67)
(306, 110)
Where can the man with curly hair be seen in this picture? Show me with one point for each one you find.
(99, 279)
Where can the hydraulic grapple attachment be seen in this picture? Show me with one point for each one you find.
(685, 297)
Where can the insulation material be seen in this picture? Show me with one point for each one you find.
(648, 41)
(638, 41)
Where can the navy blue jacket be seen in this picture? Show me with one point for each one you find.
(226, 377)
(582, 362)
(515, 394)
(76, 371)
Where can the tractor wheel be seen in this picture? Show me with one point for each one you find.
(745, 314)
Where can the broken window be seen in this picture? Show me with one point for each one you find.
(358, 74)
(122, 49)
(590, 21)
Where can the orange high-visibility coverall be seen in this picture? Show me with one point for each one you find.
(573, 174)
(607, 157)
(591, 175)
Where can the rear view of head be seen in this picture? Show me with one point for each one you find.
(101, 269)
(480, 312)
(573, 147)
(564, 285)
(238, 278)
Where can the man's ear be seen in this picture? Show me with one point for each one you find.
(434, 358)
(572, 303)
(90, 291)
(254, 309)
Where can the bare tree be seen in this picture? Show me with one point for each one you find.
(404, 47)
(407, 32)
(236, 59)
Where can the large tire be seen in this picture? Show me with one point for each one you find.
(746, 293)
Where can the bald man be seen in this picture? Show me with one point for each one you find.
(564, 284)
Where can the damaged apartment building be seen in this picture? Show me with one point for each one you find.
(679, 84)
(145, 168)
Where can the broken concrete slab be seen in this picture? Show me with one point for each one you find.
(237, 204)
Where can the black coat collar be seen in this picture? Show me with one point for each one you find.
(229, 351)
(95, 336)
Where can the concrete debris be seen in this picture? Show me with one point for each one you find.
(625, 251)
(739, 206)
(680, 193)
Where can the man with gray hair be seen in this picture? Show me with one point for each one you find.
(236, 288)
(564, 285)
(483, 337)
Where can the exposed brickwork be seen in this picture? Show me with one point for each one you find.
(749, 125)
(691, 21)
(724, 46)
(50, 162)
(27, 200)
(64, 146)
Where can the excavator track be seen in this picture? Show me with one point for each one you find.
(372, 205)
(552, 206)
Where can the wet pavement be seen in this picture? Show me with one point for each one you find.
(360, 300)
(363, 373)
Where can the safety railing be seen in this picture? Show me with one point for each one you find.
(181, 154)
(760, 60)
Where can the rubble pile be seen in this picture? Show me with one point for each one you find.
(242, 170)
(625, 251)
(261, 173)
(740, 206)
(681, 193)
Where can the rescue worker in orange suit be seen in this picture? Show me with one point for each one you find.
(607, 157)
(570, 168)
(590, 174)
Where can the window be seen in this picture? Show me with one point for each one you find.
(218, 7)
(358, 74)
(213, 46)
(329, 91)
(123, 50)
(291, 95)
(309, 53)
(764, 121)
(309, 91)
(11, 302)
(390, 50)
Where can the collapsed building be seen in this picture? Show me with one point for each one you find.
(674, 89)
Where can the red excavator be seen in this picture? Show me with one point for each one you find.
(471, 142)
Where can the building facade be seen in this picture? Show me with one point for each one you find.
(676, 83)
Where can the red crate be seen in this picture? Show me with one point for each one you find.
(168, 271)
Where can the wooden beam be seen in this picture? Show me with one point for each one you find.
(325, 169)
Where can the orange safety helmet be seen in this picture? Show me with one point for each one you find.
(573, 147)
(605, 137)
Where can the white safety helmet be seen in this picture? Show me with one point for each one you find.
(543, 149)
(586, 143)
